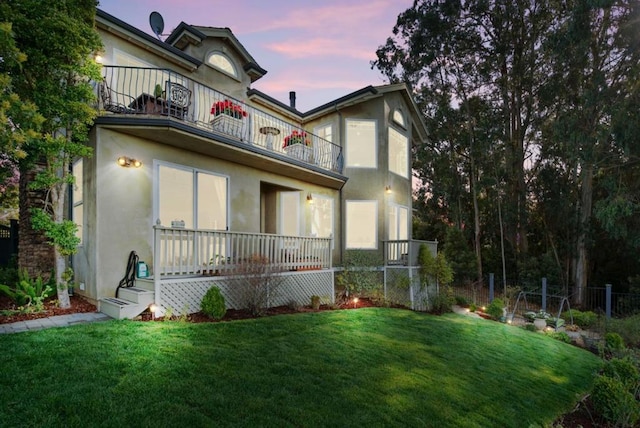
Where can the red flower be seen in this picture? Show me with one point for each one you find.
(228, 107)
(296, 137)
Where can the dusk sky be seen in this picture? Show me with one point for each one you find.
(320, 49)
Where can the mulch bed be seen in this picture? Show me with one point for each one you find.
(78, 305)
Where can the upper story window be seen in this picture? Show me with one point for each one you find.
(222, 62)
(398, 153)
(398, 118)
(324, 131)
(361, 143)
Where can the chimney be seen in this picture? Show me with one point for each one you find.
(292, 99)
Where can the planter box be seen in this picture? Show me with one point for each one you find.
(229, 125)
(299, 151)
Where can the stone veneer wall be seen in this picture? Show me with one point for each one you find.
(35, 254)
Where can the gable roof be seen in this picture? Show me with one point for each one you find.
(185, 34)
(138, 37)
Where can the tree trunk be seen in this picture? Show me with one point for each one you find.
(58, 193)
(476, 221)
(582, 255)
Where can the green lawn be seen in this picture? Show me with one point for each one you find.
(371, 367)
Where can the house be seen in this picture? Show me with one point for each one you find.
(198, 174)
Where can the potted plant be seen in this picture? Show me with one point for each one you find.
(297, 145)
(228, 118)
(539, 318)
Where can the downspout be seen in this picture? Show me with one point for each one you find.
(342, 216)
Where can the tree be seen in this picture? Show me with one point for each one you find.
(59, 40)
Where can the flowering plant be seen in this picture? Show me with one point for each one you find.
(228, 107)
(296, 137)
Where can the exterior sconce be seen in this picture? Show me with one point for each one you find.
(128, 162)
(309, 198)
(387, 189)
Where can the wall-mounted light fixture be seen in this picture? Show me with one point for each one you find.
(309, 198)
(128, 162)
(387, 189)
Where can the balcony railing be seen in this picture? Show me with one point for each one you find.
(188, 252)
(153, 91)
(405, 252)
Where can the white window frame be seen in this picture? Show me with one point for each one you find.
(233, 74)
(350, 148)
(194, 209)
(314, 207)
(394, 156)
(395, 211)
(374, 206)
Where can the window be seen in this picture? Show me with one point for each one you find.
(398, 223)
(193, 197)
(398, 153)
(398, 118)
(362, 224)
(321, 216)
(77, 197)
(223, 63)
(324, 131)
(361, 145)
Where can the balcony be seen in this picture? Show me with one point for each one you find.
(144, 97)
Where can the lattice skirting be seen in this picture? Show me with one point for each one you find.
(183, 295)
(402, 286)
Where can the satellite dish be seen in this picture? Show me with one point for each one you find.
(157, 23)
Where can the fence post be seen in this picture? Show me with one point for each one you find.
(544, 294)
(490, 287)
(608, 301)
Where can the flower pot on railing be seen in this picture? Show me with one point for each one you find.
(228, 118)
(298, 146)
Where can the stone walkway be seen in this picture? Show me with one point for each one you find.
(51, 322)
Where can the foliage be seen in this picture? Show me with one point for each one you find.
(213, 304)
(433, 270)
(613, 341)
(584, 320)
(296, 137)
(461, 301)
(228, 107)
(495, 309)
(315, 302)
(29, 293)
(626, 371)
(60, 234)
(559, 335)
(441, 302)
(461, 258)
(628, 328)
(258, 282)
(58, 40)
(614, 402)
(359, 274)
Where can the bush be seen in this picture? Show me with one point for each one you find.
(30, 293)
(613, 342)
(213, 304)
(359, 275)
(614, 402)
(441, 302)
(495, 309)
(628, 328)
(624, 370)
(584, 320)
(559, 335)
(461, 301)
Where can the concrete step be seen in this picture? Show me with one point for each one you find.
(120, 308)
(136, 295)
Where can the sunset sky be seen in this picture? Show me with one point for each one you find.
(320, 49)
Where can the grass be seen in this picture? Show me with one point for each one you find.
(368, 367)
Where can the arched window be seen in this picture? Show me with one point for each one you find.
(222, 63)
(398, 118)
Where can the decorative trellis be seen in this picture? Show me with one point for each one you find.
(185, 295)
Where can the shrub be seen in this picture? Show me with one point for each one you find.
(559, 335)
(472, 307)
(359, 274)
(614, 403)
(213, 304)
(584, 320)
(441, 302)
(624, 370)
(628, 328)
(613, 341)
(495, 309)
(30, 293)
(461, 301)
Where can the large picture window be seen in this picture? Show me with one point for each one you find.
(362, 224)
(361, 145)
(398, 153)
(197, 198)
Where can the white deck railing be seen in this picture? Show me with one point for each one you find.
(183, 252)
